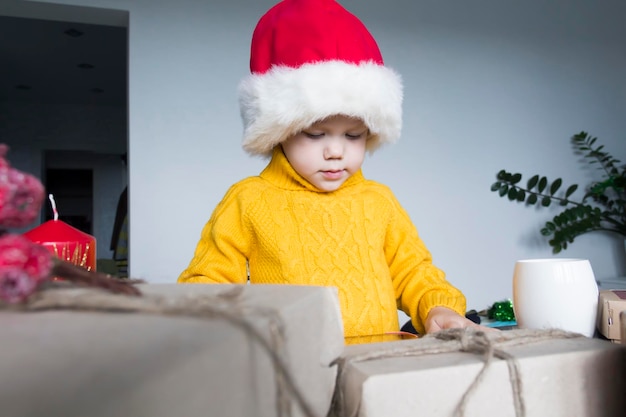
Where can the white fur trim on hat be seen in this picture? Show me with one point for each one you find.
(284, 100)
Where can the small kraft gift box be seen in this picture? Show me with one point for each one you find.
(611, 304)
(622, 316)
(471, 373)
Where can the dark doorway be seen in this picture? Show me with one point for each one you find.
(73, 194)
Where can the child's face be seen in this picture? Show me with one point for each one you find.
(328, 152)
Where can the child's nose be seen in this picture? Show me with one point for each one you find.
(333, 149)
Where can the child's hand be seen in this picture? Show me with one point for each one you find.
(440, 318)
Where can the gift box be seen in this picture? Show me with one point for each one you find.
(503, 373)
(622, 316)
(611, 303)
(180, 350)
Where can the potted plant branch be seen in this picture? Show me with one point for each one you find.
(602, 208)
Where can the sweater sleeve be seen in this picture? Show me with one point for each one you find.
(419, 285)
(220, 255)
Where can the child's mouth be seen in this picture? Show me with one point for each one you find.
(332, 175)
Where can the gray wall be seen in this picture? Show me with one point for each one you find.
(488, 85)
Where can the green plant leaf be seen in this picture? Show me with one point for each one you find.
(542, 184)
(532, 199)
(579, 212)
(521, 195)
(555, 186)
(515, 178)
(545, 202)
(504, 189)
(546, 232)
(495, 186)
(571, 190)
(512, 194)
(532, 182)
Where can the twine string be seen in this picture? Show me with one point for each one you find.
(515, 379)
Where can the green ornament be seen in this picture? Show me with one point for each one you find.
(502, 311)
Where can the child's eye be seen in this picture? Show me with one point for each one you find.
(355, 135)
(313, 135)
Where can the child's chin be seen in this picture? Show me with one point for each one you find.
(329, 187)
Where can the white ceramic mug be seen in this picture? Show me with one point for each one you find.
(555, 293)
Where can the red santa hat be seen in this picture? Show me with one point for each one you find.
(311, 59)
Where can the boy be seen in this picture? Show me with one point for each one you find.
(319, 97)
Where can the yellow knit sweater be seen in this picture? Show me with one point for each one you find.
(357, 238)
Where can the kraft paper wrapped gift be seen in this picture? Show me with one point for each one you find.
(159, 362)
(622, 316)
(611, 303)
(548, 373)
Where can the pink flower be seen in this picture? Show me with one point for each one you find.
(15, 285)
(23, 266)
(21, 195)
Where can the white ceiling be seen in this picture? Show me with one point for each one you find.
(40, 63)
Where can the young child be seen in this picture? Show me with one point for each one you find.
(319, 97)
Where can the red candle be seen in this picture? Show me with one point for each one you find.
(66, 242)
